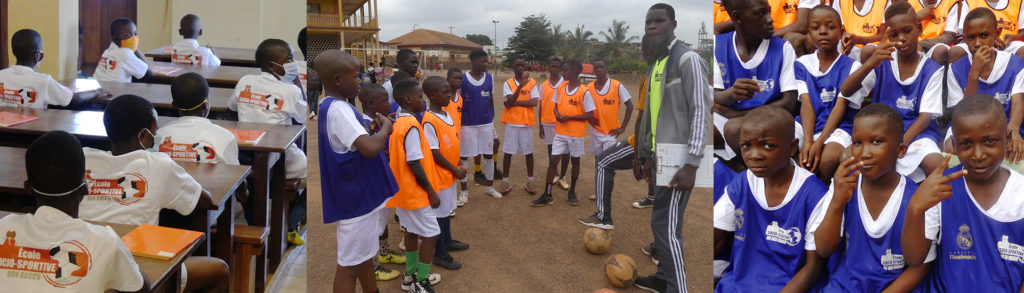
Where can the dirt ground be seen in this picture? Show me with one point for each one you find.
(518, 248)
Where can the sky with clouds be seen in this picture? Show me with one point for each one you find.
(398, 17)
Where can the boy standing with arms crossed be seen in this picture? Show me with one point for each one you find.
(521, 95)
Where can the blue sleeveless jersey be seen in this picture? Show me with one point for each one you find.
(1000, 89)
(865, 263)
(976, 253)
(352, 185)
(478, 106)
(906, 99)
(723, 175)
(823, 92)
(767, 73)
(768, 245)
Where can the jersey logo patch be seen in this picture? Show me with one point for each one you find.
(739, 218)
(1010, 251)
(964, 241)
(1002, 98)
(827, 96)
(892, 262)
(196, 152)
(766, 85)
(62, 265)
(906, 103)
(191, 59)
(107, 63)
(778, 234)
(125, 189)
(869, 29)
(266, 101)
(17, 96)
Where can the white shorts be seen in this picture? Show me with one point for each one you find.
(549, 133)
(358, 240)
(420, 221)
(600, 142)
(839, 136)
(567, 145)
(447, 197)
(916, 152)
(294, 162)
(728, 153)
(477, 140)
(518, 140)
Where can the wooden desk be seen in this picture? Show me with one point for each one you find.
(217, 76)
(268, 166)
(228, 56)
(220, 179)
(160, 95)
(163, 275)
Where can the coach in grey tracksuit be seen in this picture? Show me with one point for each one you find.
(684, 120)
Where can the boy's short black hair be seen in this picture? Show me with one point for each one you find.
(574, 64)
(599, 60)
(55, 163)
(268, 50)
(889, 116)
(434, 83)
(981, 12)
(401, 76)
(189, 90)
(825, 7)
(188, 24)
(899, 8)
(555, 59)
(116, 25)
(771, 116)
(476, 54)
(404, 88)
(370, 91)
(668, 10)
(302, 42)
(126, 115)
(404, 53)
(979, 104)
(518, 57)
(454, 70)
(25, 42)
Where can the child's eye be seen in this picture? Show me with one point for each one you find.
(745, 146)
(876, 141)
(990, 141)
(769, 146)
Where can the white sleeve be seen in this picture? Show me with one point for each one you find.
(931, 100)
(128, 277)
(808, 4)
(507, 90)
(535, 92)
(962, 18)
(343, 125)
(230, 153)
(724, 213)
(1018, 84)
(954, 92)
(412, 145)
(717, 83)
(233, 101)
(298, 111)
(387, 87)
(182, 190)
(953, 19)
(134, 66)
(56, 93)
(933, 222)
(817, 216)
(588, 102)
(865, 86)
(554, 97)
(858, 96)
(787, 79)
(209, 58)
(431, 134)
(624, 94)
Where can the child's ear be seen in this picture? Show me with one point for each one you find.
(181, 32)
(200, 33)
(794, 147)
(901, 150)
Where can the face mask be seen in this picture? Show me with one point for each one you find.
(291, 71)
(131, 43)
(153, 148)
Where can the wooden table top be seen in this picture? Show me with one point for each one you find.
(160, 94)
(89, 124)
(228, 56)
(220, 179)
(157, 271)
(219, 76)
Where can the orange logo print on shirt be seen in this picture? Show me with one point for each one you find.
(199, 152)
(268, 102)
(108, 63)
(193, 59)
(126, 189)
(62, 265)
(16, 96)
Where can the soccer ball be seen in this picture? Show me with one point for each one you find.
(597, 240)
(620, 270)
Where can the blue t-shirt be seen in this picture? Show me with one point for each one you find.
(823, 91)
(477, 104)
(767, 74)
(906, 98)
(1001, 89)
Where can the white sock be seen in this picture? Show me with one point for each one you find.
(504, 179)
(489, 188)
(529, 179)
(465, 163)
(488, 169)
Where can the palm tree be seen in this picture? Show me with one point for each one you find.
(579, 41)
(557, 38)
(616, 43)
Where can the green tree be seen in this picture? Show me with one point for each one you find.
(616, 43)
(579, 42)
(557, 39)
(532, 39)
(482, 40)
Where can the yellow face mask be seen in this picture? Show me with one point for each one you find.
(131, 43)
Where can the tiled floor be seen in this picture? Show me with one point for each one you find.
(294, 269)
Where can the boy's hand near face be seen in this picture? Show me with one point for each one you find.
(845, 182)
(982, 61)
(847, 42)
(933, 189)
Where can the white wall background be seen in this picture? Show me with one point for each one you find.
(226, 23)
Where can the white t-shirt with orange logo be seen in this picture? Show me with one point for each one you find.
(21, 86)
(120, 64)
(133, 187)
(188, 51)
(50, 251)
(261, 98)
(196, 139)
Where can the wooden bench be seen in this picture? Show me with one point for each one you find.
(250, 241)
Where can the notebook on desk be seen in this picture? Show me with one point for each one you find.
(158, 242)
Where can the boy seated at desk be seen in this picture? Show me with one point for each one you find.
(88, 257)
(21, 85)
(122, 61)
(188, 51)
(132, 182)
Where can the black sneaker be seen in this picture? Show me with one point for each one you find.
(408, 281)
(498, 173)
(596, 222)
(649, 251)
(543, 200)
(422, 287)
(572, 199)
(479, 178)
(447, 262)
(651, 284)
(646, 202)
(456, 246)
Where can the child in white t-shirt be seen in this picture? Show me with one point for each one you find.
(21, 85)
(193, 137)
(122, 60)
(89, 257)
(188, 51)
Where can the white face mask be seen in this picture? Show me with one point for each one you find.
(153, 148)
(291, 71)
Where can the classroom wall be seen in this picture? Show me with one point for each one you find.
(57, 22)
(227, 23)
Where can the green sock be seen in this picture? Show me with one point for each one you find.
(412, 261)
(423, 271)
